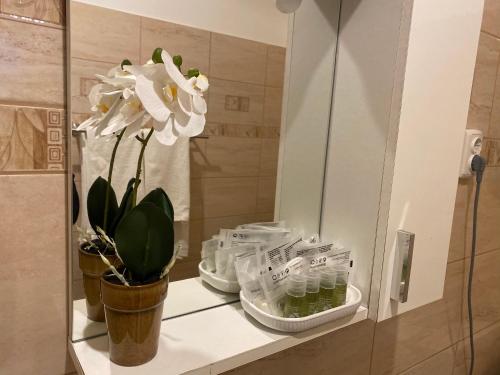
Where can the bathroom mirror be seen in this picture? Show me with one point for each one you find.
(221, 178)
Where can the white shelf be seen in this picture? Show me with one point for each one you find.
(207, 342)
(184, 297)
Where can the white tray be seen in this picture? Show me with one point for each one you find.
(353, 301)
(216, 281)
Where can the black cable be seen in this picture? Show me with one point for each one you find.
(477, 165)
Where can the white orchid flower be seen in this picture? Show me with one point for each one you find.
(129, 113)
(114, 103)
(118, 78)
(175, 103)
(104, 100)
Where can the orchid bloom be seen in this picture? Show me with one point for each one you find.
(175, 103)
(104, 100)
(113, 103)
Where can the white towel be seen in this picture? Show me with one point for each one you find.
(164, 166)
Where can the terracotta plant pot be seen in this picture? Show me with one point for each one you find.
(92, 268)
(133, 316)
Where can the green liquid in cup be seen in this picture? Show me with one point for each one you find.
(312, 300)
(295, 307)
(340, 293)
(326, 298)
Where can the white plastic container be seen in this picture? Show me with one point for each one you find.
(353, 301)
(216, 281)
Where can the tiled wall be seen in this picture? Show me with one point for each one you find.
(32, 188)
(433, 340)
(429, 340)
(233, 171)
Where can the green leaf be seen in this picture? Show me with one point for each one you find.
(156, 57)
(160, 199)
(193, 73)
(125, 206)
(125, 62)
(145, 241)
(96, 202)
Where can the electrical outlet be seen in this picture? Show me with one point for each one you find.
(473, 143)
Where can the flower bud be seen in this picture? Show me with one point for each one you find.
(156, 57)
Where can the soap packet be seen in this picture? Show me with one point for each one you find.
(233, 237)
(325, 256)
(274, 225)
(208, 249)
(248, 276)
(224, 260)
(277, 253)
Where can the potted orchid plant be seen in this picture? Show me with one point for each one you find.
(135, 240)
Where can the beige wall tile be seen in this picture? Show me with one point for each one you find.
(33, 275)
(494, 129)
(275, 71)
(31, 138)
(31, 64)
(450, 361)
(485, 291)
(491, 17)
(488, 235)
(489, 211)
(492, 152)
(82, 79)
(192, 44)
(483, 87)
(197, 156)
(184, 269)
(412, 337)
(231, 156)
(343, 352)
(47, 10)
(196, 196)
(269, 157)
(486, 347)
(460, 231)
(267, 194)
(237, 59)
(272, 106)
(102, 34)
(216, 197)
(235, 102)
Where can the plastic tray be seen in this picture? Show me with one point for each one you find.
(216, 281)
(301, 324)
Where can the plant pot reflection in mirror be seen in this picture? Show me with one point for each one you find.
(92, 268)
(133, 317)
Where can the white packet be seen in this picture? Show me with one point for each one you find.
(274, 283)
(248, 276)
(277, 253)
(263, 225)
(233, 237)
(320, 258)
(230, 273)
(208, 249)
(224, 259)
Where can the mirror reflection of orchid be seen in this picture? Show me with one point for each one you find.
(140, 101)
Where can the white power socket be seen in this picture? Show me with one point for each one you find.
(473, 143)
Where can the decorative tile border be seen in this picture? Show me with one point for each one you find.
(220, 130)
(240, 131)
(31, 139)
(49, 13)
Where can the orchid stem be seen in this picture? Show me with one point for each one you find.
(110, 175)
(139, 164)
